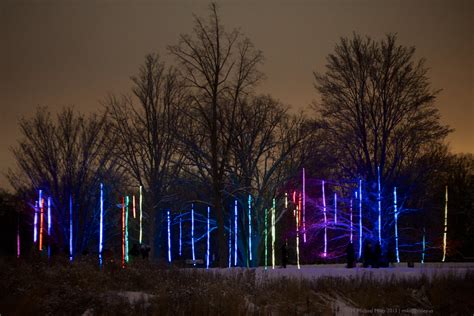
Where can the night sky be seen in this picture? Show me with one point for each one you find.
(61, 53)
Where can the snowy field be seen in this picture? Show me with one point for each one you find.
(400, 270)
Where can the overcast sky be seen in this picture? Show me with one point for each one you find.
(60, 53)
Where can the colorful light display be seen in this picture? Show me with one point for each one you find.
(127, 202)
(35, 227)
(325, 251)
(445, 233)
(49, 226)
(379, 201)
(350, 218)
(208, 250)
(192, 234)
(71, 250)
(304, 207)
(395, 214)
(169, 235)
(235, 233)
(41, 203)
(297, 239)
(141, 216)
(133, 207)
(273, 233)
(180, 236)
(101, 223)
(360, 219)
(424, 246)
(123, 231)
(266, 238)
(250, 226)
(335, 208)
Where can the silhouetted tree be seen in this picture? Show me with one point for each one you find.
(220, 68)
(146, 125)
(66, 156)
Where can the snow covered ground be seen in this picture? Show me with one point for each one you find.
(339, 270)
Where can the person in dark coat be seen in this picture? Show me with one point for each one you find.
(145, 250)
(377, 256)
(284, 254)
(350, 253)
(391, 256)
(368, 254)
(135, 251)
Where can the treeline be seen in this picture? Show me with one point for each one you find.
(197, 132)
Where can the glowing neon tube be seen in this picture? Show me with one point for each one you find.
(325, 252)
(266, 238)
(49, 226)
(127, 201)
(101, 223)
(235, 233)
(424, 247)
(294, 202)
(123, 231)
(297, 239)
(230, 241)
(192, 234)
(141, 216)
(379, 198)
(395, 208)
(273, 234)
(250, 226)
(41, 201)
(133, 207)
(350, 210)
(18, 237)
(335, 208)
(169, 236)
(35, 228)
(304, 207)
(445, 224)
(208, 236)
(70, 229)
(360, 219)
(180, 236)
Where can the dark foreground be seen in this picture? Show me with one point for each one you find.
(81, 288)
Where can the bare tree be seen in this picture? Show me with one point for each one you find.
(147, 148)
(377, 110)
(66, 157)
(220, 68)
(265, 155)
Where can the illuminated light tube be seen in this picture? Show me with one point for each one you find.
(379, 198)
(127, 201)
(445, 234)
(395, 208)
(169, 236)
(123, 231)
(286, 200)
(250, 226)
(141, 216)
(180, 236)
(101, 223)
(335, 208)
(230, 241)
(266, 238)
(294, 202)
(424, 247)
(18, 237)
(71, 250)
(41, 202)
(273, 234)
(350, 210)
(208, 236)
(235, 233)
(360, 219)
(49, 226)
(325, 252)
(133, 207)
(297, 240)
(35, 228)
(192, 234)
(304, 207)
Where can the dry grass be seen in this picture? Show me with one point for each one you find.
(60, 288)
